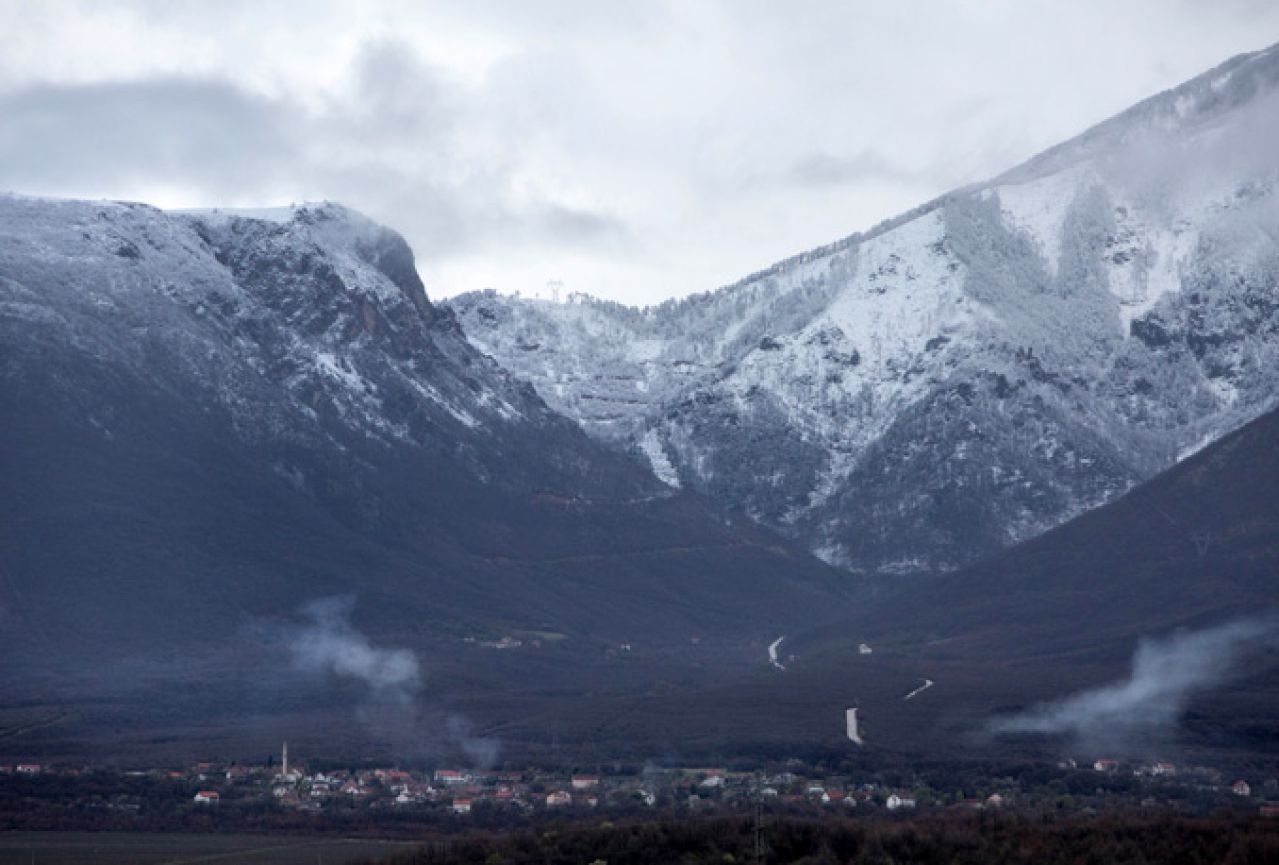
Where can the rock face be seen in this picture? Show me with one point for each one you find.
(214, 417)
(971, 373)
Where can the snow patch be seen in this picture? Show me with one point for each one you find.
(651, 445)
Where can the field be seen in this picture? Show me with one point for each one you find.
(143, 848)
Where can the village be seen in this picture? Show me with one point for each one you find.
(213, 790)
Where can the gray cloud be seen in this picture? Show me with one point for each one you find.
(630, 150)
(823, 169)
(1148, 705)
(232, 146)
(204, 133)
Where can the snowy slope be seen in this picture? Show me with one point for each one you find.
(972, 372)
(216, 416)
(307, 327)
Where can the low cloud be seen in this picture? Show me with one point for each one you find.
(1149, 704)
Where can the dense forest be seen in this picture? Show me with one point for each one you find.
(949, 839)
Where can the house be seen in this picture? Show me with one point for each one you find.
(414, 793)
(238, 773)
(896, 802)
(351, 788)
(451, 777)
(1163, 769)
(1269, 810)
(714, 779)
(461, 806)
(1241, 788)
(207, 797)
(994, 800)
(558, 799)
(863, 649)
(1105, 765)
(29, 768)
(584, 782)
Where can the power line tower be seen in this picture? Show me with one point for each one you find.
(553, 288)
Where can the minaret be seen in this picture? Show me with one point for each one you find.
(285, 761)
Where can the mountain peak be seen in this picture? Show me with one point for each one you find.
(971, 372)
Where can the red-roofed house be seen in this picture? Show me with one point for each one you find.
(207, 797)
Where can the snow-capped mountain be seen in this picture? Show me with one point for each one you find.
(968, 374)
(216, 416)
(305, 326)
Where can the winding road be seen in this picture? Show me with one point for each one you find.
(772, 653)
(928, 683)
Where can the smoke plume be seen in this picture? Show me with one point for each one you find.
(330, 644)
(479, 751)
(1166, 673)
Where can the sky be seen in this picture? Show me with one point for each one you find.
(631, 149)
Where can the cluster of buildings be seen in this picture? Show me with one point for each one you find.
(1203, 775)
(459, 791)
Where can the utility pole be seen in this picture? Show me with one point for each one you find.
(759, 829)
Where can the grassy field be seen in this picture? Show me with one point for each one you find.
(140, 848)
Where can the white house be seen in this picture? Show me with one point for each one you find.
(895, 802)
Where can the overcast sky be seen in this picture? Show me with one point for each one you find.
(634, 150)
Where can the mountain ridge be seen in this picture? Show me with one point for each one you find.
(1060, 293)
